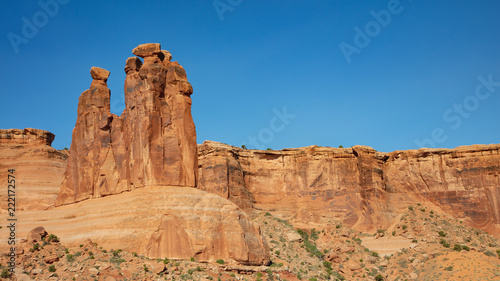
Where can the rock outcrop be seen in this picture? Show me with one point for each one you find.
(359, 186)
(39, 168)
(153, 142)
(158, 222)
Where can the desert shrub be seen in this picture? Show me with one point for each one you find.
(449, 268)
(489, 253)
(442, 233)
(268, 214)
(303, 233)
(465, 247)
(404, 227)
(5, 273)
(70, 258)
(457, 248)
(410, 208)
(220, 261)
(52, 268)
(311, 248)
(53, 238)
(375, 254)
(327, 264)
(314, 234)
(379, 277)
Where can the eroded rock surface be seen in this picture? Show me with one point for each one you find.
(153, 142)
(39, 168)
(158, 222)
(363, 188)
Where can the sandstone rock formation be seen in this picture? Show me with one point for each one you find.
(359, 186)
(158, 222)
(39, 168)
(153, 142)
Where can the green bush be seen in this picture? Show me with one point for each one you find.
(70, 258)
(498, 253)
(442, 233)
(410, 208)
(465, 247)
(379, 277)
(449, 268)
(268, 214)
(375, 254)
(313, 279)
(457, 248)
(327, 264)
(5, 273)
(404, 226)
(52, 268)
(219, 261)
(489, 253)
(53, 238)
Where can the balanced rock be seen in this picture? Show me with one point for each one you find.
(147, 50)
(98, 73)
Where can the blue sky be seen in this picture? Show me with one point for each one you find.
(270, 73)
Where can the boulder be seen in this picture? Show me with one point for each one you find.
(147, 50)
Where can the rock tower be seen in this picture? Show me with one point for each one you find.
(153, 142)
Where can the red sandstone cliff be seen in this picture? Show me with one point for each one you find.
(153, 142)
(39, 168)
(363, 188)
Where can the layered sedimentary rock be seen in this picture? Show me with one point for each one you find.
(158, 222)
(359, 186)
(39, 168)
(153, 142)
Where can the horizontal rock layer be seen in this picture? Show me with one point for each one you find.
(39, 168)
(158, 222)
(363, 188)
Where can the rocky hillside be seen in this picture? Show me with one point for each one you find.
(364, 188)
(424, 244)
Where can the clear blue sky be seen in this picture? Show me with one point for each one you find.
(415, 80)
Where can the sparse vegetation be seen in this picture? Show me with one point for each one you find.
(220, 261)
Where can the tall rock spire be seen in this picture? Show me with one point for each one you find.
(153, 142)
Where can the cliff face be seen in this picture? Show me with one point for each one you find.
(38, 167)
(359, 186)
(153, 142)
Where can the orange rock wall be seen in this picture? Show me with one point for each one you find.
(363, 188)
(39, 168)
